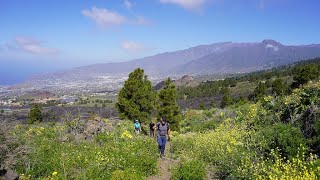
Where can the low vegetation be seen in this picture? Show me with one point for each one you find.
(107, 156)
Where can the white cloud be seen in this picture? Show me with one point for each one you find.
(127, 4)
(187, 4)
(275, 48)
(132, 47)
(32, 45)
(107, 18)
(26, 40)
(104, 17)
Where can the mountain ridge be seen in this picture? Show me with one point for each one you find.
(217, 58)
(170, 62)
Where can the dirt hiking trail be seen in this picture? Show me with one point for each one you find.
(164, 166)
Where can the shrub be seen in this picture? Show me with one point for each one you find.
(35, 114)
(283, 136)
(278, 168)
(222, 148)
(189, 169)
(199, 121)
(279, 87)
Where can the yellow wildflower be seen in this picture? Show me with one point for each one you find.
(126, 134)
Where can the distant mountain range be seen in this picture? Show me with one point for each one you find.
(217, 58)
(246, 57)
(225, 57)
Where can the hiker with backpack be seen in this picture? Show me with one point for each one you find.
(151, 129)
(137, 127)
(163, 131)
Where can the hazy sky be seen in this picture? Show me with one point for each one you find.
(67, 33)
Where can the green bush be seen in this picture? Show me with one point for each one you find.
(199, 120)
(286, 138)
(189, 170)
(209, 112)
(223, 148)
(35, 114)
(278, 167)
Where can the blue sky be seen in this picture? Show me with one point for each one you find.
(63, 34)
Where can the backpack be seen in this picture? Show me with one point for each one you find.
(136, 125)
(166, 124)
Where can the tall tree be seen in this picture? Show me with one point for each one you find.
(35, 114)
(226, 99)
(137, 98)
(168, 107)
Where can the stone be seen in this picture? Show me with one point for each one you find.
(11, 175)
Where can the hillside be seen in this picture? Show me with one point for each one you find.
(184, 81)
(276, 137)
(241, 86)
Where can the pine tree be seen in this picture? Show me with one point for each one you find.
(226, 99)
(168, 107)
(35, 114)
(260, 90)
(137, 98)
(305, 73)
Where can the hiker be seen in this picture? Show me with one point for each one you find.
(163, 130)
(151, 127)
(137, 127)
